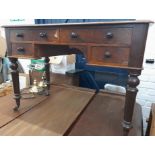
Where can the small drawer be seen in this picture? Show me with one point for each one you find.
(75, 35)
(49, 35)
(113, 36)
(99, 35)
(21, 35)
(22, 49)
(109, 56)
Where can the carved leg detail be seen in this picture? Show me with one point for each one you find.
(131, 92)
(15, 80)
(47, 71)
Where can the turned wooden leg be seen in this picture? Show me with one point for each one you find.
(131, 92)
(47, 74)
(15, 80)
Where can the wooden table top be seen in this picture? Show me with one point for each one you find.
(45, 116)
(104, 117)
(68, 111)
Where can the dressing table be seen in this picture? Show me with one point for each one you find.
(108, 44)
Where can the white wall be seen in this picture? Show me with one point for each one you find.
(146, 94)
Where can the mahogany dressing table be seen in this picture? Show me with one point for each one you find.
(110, 44)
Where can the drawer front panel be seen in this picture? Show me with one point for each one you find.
(22, 50)
(47, 35)
(97, 35)
(51, 35)
(109, 56)
(21, 35)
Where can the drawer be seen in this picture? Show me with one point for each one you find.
(109, 56)
(21, 35)
(49, 35)
(97, 35)
(22, 49)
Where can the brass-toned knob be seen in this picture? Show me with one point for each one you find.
(20, 35)
(107, 54)
(74, 35)
(109, 35)
(43, 34)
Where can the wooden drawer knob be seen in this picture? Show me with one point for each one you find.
(109, 35)
(20, 50)
(19, 35)
(107, 54)
(43, 34)
(74, 35)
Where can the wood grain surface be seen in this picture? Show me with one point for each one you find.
(104, 117)
(7, 103)
(152, 130)
(53, 116)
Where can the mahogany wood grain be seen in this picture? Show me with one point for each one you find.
(15, 80)
(126, 39)
(139, 37)
(46, 35)
(21, 50)
(130, 99)
(103, 117)
(152, 129)
(96, 35)
(47, 74)
(109, 56)
(53, 116)
(21, 35)
(7, 104)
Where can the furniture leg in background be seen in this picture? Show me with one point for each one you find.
(15, 80)
(47, 74)
(131, 92)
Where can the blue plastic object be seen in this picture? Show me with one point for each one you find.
(96, 77)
